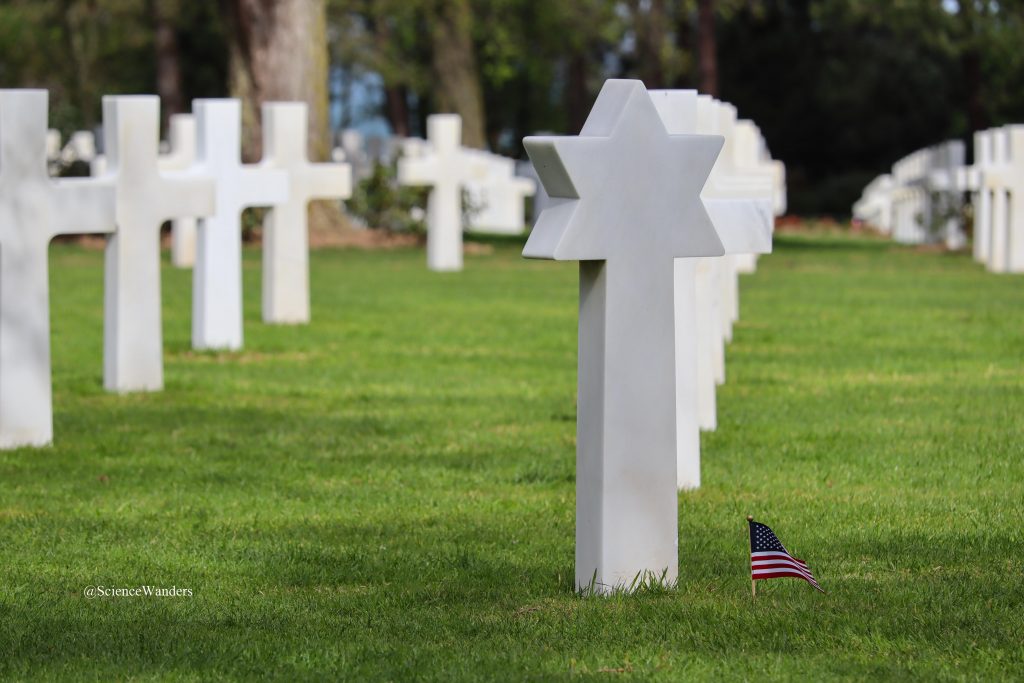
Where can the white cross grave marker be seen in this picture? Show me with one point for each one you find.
(981, 196)
(875, 205)
(1015, 186)
(625, 203)
(500, 198)
(446, 167)
(146, 197)
(743, 222)
(714, 326)
(1004, 178)
(217, 276)
(182, 155)
(33, 209)
(285, 227)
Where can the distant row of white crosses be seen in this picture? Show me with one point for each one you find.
(923, 198)
(646, 195)
(129, 201)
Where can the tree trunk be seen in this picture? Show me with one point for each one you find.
(396, 95)
(577, 98)
(651, 40)
(278, 52)
(708, 56)
(80, 27)
(684, 46)
(398, 110)
(458, 81)
(971, 61)
(168, 62)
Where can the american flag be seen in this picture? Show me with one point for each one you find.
(769, 559)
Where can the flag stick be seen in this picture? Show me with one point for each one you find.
(753, 585)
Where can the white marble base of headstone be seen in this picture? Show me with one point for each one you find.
(180, 157)
(446, 168)
(625, 203)
(33, 209)
(146, 198)
(285, 227)
(217, 276)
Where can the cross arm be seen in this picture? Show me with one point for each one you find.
(264, 186)
(330, 181)
(82, 207)
(417, 171)
(743, 226)
(187, 193)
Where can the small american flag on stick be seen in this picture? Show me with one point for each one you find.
(769, 559)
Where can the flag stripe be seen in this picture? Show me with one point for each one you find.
(771, 560)
(781, 565)
(777, 554)
(785, 574)
(769, 573)
(782, 571)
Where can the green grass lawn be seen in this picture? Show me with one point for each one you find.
(388, 493)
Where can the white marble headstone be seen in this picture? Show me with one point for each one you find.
(180, 157)
(446, 168)
(500, 197)
(285, 227)
(217, 276)
(742, 220)
(33, 209)
(146, 198)
(625, 203)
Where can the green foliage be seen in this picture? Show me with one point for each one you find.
(841, 88)
(388, 493)
(83, 49)
(378, 201)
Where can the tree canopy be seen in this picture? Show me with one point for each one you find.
(841, 88)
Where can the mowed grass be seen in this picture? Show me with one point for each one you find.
(388, 493)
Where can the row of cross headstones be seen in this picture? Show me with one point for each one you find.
(920, 200)
(996, 186)
(923, 199)
(663, 201)
(490, 199)
(133, 195)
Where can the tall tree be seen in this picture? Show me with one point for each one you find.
(168, 59)
(455, 67)
(650, 21)
(707, 47)
(278, 51)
